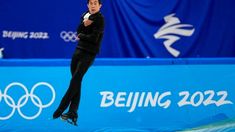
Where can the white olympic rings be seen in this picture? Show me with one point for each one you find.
(23, 100)
(69, 36)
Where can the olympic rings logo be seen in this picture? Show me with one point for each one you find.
(24, 99)
(69, 36)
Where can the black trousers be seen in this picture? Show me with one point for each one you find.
(80, 63)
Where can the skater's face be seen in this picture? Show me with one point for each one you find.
(94, 6)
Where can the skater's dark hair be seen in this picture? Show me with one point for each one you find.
(100, 2)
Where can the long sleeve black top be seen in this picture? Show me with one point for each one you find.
(91, 36)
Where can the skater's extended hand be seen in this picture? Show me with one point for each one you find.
(78, 38)
(87, 22)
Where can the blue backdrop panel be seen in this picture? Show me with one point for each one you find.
(136, 28)
(119, 97)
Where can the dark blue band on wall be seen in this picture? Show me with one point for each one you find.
(117, 62)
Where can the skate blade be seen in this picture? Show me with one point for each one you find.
(72, 123)
(69, 121)
(63, 119)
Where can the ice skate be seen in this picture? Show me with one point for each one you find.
(70, 117)
(57, 113)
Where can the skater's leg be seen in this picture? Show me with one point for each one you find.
(76, 98)
(75, 84)
(76, 87)
(74, 62)
(65, 100)
(73, 66)
(75, 102)
(72, 90)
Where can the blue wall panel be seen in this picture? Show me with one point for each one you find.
(119, 97)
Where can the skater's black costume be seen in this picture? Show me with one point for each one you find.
(84, 55)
